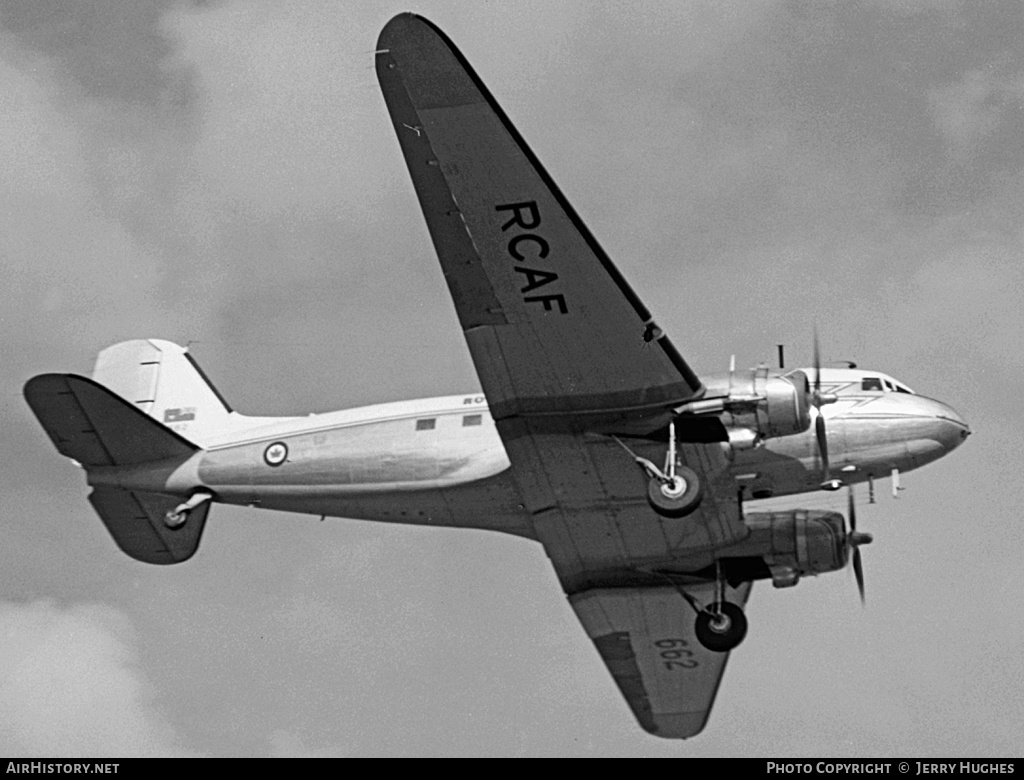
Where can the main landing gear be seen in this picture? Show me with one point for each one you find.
(676, 490)
(721, 625)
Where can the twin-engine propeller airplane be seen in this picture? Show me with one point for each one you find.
(592, 436)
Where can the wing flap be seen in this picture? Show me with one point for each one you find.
(646, 638)
(590, 511)
(551, 324)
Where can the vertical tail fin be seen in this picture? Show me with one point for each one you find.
(162, 380)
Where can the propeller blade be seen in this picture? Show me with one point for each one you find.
(817, 400)
(819, 432)
(817, 369)
(858, 572)
(854, 539)
(851, 506)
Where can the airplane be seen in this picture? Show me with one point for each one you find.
(592, 435)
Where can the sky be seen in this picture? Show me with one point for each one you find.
(224, 174)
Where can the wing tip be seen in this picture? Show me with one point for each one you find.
(677, 725)
(41, 383)
(405, 24)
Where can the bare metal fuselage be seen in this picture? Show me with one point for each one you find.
(441, 461)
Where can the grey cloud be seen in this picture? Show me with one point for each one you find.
(113, 51)
(110, 69)
(968, 112)
(70, 685)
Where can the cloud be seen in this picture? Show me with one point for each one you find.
(969, 110)
(111, 73)
(67, 263)
(94, 138)
(70, 685)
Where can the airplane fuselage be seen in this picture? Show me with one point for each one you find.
(440, 461)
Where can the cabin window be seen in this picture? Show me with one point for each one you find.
(427, 424)
(871, 383)
(472, 419)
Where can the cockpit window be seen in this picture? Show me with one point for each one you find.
(901, 389)
(889, 386)
(871, 383)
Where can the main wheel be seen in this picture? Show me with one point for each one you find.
(677, 498)
(722, 627)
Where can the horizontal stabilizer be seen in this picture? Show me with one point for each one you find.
(95, 427)
(135, 520)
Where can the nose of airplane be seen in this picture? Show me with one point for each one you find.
(953, 429)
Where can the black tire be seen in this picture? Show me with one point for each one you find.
(721, 638)
(669, 501)
(175, 521)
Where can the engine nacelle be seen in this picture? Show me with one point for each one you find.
(794, 544)
(754, 405)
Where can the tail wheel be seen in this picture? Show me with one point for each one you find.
(721, 627)
(677, 496)
(175, 520)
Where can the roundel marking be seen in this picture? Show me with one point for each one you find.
(276, 453)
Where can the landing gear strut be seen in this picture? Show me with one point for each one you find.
(676, 490)
(721, 626)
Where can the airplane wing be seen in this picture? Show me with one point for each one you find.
(579, 379)
(646, 638)
(542, 305)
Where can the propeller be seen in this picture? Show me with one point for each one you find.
(819, 399)
(854, 539)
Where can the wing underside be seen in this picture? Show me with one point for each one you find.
(567, 354)
(646, 638)
(551, 323)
